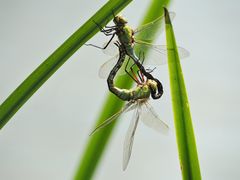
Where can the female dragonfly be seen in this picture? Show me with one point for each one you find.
(138, 101)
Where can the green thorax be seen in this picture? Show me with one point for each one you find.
(141, 92)
(125, 36)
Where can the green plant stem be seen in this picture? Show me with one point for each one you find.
(97, 143)
(182, 117)
(34, 81)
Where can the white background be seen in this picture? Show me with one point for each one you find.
(46, 137)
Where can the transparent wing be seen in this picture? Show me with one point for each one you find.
(150, 118)
(107, 67)
(134, 106)
(146, 31)
(157, 54)
(128, 142)
(113, 117)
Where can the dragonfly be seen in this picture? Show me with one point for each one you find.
(137, 98)
(142, 111)
(126, 36)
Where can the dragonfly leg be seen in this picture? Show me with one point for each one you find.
(128, 72)
(140, 76)
(139, 72)
(127, 65)
(150, 70)
(104, 46)
(109, 41)
(107, 32)
(113, 14)
(109, 28)
(134, 75)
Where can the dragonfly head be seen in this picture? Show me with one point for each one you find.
(119, 20)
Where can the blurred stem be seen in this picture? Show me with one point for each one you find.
(182, 117)
(38, 77)
(97, 143)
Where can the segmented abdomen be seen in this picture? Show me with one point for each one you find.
(123, 94)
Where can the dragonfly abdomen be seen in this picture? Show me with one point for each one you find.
(113, 73)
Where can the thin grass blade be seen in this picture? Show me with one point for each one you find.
(182, 117)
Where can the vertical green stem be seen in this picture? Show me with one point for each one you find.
(182, 117)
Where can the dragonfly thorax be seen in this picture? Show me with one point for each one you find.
(126, 38)
(142, 91)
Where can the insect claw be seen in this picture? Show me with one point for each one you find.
(113, 13)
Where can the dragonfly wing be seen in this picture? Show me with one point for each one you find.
(133, 107)
(107, 67)
(146, 31)
(113, 117)
(182, 52)
(128, 142)
(154, 56)
(150, 118)
(157, 54)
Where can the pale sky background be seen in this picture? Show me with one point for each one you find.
(45, 139)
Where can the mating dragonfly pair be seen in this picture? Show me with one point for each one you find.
(147, 85)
